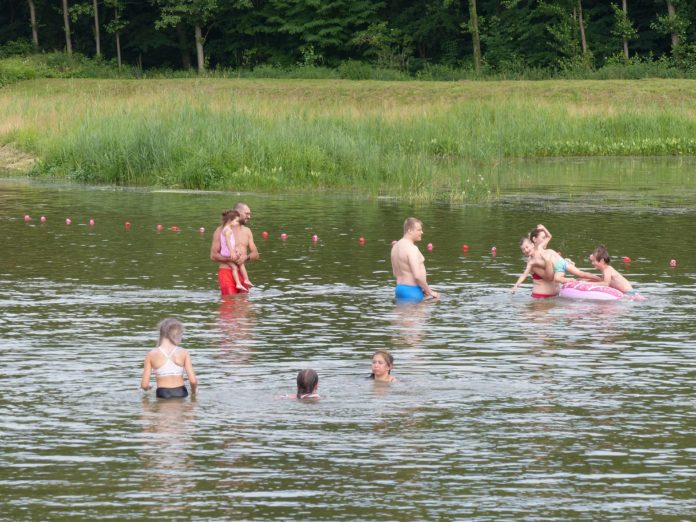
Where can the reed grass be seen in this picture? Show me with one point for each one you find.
(415, 140)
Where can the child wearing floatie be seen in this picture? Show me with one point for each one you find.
(610, 277)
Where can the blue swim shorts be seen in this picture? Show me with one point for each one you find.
(408, 294)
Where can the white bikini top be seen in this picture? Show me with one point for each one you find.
(169, 368)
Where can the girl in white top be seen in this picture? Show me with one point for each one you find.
(169, 363)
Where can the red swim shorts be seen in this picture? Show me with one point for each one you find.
(226, 281)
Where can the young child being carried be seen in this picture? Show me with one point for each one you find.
(228, 248)
(541, 237)
(610, 277)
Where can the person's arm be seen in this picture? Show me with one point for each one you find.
(147, 370)
(580, 274)
(252, 252)
(191, 374)
(548, 268)
(524, 275)
(546, 241)
(418, 270)
(606, 277)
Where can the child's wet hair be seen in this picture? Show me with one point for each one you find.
(601, 254)
(389, 358)
(229, 215)
(307, 382)
(171, 329)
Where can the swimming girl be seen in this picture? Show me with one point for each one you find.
(169, 362)
(541, 237)
(541, 269)
(307, 384)
(228, 247)
(382, 364)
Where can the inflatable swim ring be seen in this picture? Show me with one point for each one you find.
(585, 290)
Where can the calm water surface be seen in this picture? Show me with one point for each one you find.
(506, 409)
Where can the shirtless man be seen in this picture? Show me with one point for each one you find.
(408, 265)
(245, 247)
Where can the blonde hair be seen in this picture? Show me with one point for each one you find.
(411, 223)
(171, 329)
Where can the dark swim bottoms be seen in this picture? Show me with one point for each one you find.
(172, 393)
(542, 296)
(408, 294)
(226, 281)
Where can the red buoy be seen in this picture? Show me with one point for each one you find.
(264, 234)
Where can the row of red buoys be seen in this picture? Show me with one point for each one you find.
(127, 225)
(283, 236)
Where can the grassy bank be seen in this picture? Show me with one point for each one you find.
(419, 140)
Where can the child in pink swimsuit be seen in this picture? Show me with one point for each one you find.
(228, 245)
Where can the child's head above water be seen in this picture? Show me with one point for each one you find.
(526, 246)
(382, 363)
(229, 215)
(307, 382)
(537, 235)
(170, 329)
(600, 255)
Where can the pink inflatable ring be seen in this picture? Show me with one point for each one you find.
(585, 290)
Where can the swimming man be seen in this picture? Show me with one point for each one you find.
(408, 265)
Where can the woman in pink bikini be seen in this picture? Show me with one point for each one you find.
(169, 363)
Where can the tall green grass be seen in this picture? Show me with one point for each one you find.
(408, 139)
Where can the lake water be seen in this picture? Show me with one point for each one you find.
(506, 409)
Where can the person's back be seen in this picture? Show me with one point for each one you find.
(610, 276)
(169, 363)
(408, 265)
(406, 261)
(228, 244)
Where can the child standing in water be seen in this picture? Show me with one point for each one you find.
(382, 364)
(541, 237)
(228, 246)
(610, 277)
(169, 363)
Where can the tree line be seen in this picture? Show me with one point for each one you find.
(406, 35)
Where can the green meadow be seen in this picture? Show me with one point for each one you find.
(415, 140)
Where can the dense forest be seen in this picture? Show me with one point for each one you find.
(404, 35)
